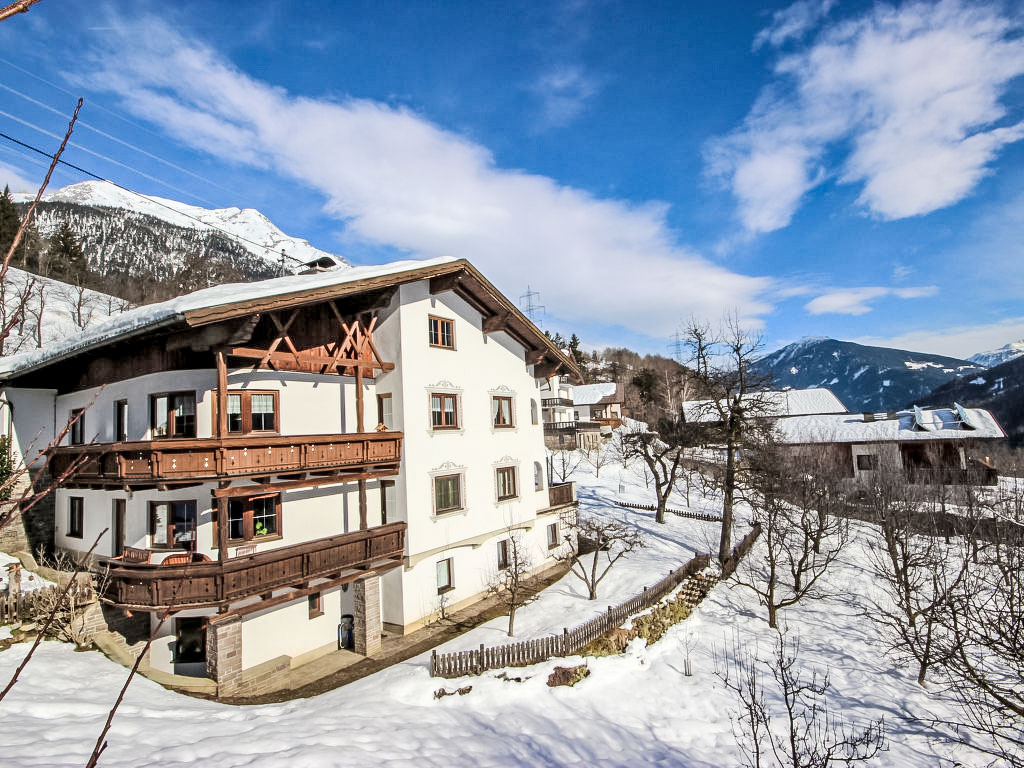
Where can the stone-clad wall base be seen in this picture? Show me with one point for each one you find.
(368, 624)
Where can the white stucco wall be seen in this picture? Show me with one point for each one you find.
(32, 426)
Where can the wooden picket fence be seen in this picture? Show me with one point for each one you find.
(22, 606)
(476, 661)
(677, 512)
(740, 551)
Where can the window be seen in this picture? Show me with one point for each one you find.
(867, 461)
(441, 332)
(76, 517)
(388, 504)
(190, 640)
(384, 413)
(501, 411)
(172, 524)
(506, 479)
(316, 605)
(533, 411)
(503, 560)
(447, 493)
(254, 518)
(444, 411)
(538, 476)
(173, 415)
(553, 536)
(77, 420)
(252, 412)
(444, 576)
(120, 421)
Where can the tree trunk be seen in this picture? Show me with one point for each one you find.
(511, 620)
(725, 542)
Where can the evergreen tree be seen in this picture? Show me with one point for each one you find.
(29, 247)
(66, 259)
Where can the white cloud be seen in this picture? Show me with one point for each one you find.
(564, 93)
(904, 102)
(11, 177)
(793, 21)
(857, 301)
(399, 180)
(959, 341)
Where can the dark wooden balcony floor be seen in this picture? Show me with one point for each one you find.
(205, 584)
(191, 460)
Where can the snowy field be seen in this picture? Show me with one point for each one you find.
(635, 709)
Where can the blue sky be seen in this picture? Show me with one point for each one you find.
(851, 170)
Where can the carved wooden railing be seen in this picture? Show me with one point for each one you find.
(561, 494)
(205, 584)
(211, 458)
(555, 402)
(572, 426)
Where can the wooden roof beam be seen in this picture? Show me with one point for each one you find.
(496, 322)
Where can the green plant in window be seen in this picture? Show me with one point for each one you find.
(261, 529)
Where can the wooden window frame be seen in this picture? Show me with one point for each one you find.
(435, 326)
(380, 410)
(450, 585)
(172, 433)
(170, 545)
(120, 421)
(76, 517)
(512, 474)
(553, 543)
(496, 415)
(871, 459)
(245, 397)
(384, 485)
(248, 520)
(316, 605)
(76, 431)
(504, 563)
(458, 484)
(454, 397)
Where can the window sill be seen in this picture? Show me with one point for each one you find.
(315, 614)
(254, 540)
(443, 590)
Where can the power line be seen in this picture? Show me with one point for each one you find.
(530, 308)
(152, 200)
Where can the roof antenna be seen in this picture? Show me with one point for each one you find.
(530, 307)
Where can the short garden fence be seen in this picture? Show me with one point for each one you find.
(22, 606)
(476, 661)
(677, 512)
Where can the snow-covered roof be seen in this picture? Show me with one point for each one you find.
(955, 423)
(592, 394)
(153, 316)
(785, 402)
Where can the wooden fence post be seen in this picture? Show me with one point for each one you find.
(433, 663)
(565, 641)
(480, 661)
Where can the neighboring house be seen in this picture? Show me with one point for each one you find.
(601, 403)
(563, 428)
(932, 446)
(771, 404)
(262, 460)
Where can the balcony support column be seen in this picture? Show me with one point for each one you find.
(224, 653)
(222, 528)
(368, 626)
(222, 395)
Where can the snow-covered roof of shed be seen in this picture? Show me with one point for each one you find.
(906, 426)
(152, 316)
(592, 394)
(783, 402)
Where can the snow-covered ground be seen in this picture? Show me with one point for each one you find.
(635, 709)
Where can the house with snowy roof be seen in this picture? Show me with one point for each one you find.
(278, 465)
(567, 425)
(923, 445)
(770, 404)
(601, 402)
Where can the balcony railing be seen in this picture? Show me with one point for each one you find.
(572, 426)
(556, 402)
(206, 584)
(561, 494)
(198, 459)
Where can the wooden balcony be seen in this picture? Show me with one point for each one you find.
(204, 584)
(156, 463)
(571, 426)
(560, 496)
(556, 402)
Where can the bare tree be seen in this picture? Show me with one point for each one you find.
(734, 401)
(661, 454)
(806, 732)
(564, 464)
(599, 457)
(799, 543)
(604, 540)
(508, 585)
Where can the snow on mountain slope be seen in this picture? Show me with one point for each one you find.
(995, 357)
(257, 233)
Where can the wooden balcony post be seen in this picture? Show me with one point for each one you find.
(222, 528)
(360, 418)
(363, 524)
(222, 395)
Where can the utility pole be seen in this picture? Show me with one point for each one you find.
(529, 305)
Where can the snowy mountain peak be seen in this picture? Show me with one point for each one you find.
(251, 229)
(1004, 354)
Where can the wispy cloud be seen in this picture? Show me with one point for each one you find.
(958, 341)
(857, 301)
(396, 179)
(793, 21)
(564, 92)
(13, 178)
(905, 102)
